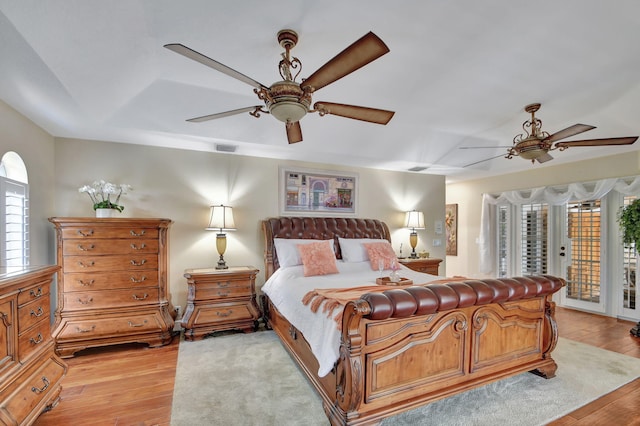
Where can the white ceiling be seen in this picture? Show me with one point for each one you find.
(459, 74)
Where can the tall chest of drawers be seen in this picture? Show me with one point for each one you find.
(30, 371)
(112, 286)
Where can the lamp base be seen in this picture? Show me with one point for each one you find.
(413, 255)
(222, 264)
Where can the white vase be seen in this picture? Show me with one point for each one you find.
(106, 212)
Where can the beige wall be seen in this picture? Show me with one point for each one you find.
(181, 185)
(468, 196)
(36, 148)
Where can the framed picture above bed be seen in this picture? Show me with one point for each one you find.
(317, 192)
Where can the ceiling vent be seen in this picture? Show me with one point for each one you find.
(226, 148)
(417, 169)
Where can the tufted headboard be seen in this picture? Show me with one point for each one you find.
(320, 228)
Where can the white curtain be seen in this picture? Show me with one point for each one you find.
(554, 196)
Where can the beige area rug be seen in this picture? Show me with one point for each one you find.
(250, 380)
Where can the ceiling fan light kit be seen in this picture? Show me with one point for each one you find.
(289, 101)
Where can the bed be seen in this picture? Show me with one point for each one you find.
(381, 350)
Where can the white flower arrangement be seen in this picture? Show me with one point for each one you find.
(101, 192)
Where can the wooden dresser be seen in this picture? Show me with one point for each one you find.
(30, 371)
(220, 299)
(112, 287)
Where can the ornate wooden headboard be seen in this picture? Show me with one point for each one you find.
(320, 228)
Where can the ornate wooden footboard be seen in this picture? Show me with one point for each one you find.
(406, 347)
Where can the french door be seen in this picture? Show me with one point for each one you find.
(582, 251)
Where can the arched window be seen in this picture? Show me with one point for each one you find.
(14, 211)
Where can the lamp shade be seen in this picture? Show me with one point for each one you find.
(221, 219)
(414, 220)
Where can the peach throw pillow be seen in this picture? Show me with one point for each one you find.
(381, 250)
(318, 258)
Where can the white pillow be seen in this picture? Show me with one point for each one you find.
(287, 250)
(352, 249)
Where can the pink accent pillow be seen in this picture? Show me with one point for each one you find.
(381, 250)
(318, 258)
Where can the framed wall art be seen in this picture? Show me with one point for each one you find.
(317, 192)
(451, 227)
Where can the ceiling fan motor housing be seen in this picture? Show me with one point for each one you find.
(532, 148)
(287, 101)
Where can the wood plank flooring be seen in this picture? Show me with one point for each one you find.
(132, 385)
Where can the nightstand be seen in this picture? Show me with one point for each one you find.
(428, 265)
(220, 299)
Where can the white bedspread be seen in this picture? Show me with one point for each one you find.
(287, 286)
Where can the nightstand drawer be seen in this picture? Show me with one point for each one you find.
(212, 292)
(223, 313)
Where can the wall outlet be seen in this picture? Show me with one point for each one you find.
(178, 310)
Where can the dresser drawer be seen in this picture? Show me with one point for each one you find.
(33, 339)
(207, 314)
(108, 232)
(110, 263)
(78, 281)
(93, 246)
(28, 294)
(110, 298)
(212, 291)
(32, 312)
(32, 390)
(105, 327)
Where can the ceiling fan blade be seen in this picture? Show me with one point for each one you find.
(372, 115)
(294, 132)
(360, 53)
(205, 60)
(223, 114)
(598, 142)
(569, 131)
(544, 158)
(483, 147)
(482, 161)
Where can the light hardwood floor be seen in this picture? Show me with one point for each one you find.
(133, 385)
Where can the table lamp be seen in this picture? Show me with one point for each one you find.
(221, 220)
(414, 220)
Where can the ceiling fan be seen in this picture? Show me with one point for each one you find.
(534, 144)
(288, 100)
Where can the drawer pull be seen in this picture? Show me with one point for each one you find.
(43, 388)
(135, 280)
(140, 298)
(86, 233)
(223, 293)
(86, 283)
(82, 248)
(135, 263)
(137, 325)
(33, 293)
(142, 246)
(85, 302)
(135, 234)
(88, 265)
(85, 330)
(224, 314)
(37, 340)
(37, 313)
(225, 284)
